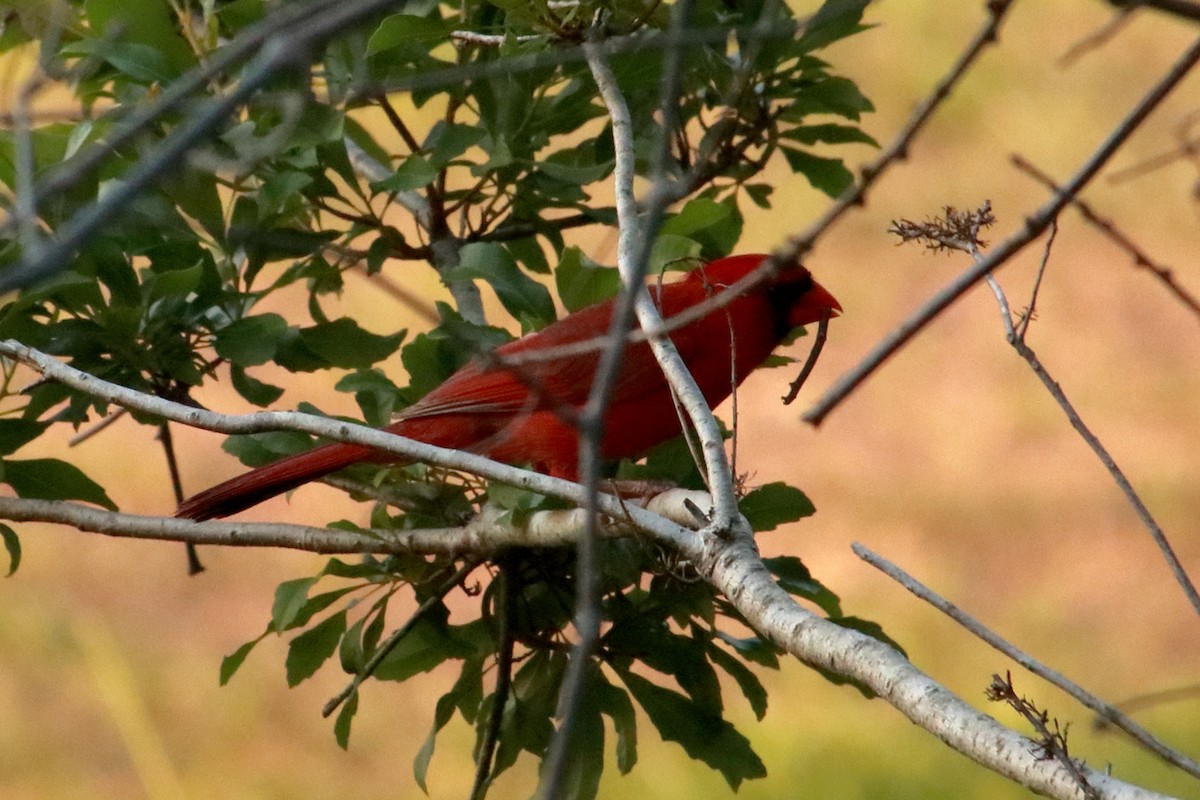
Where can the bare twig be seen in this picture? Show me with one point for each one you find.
(1186, 9)
(1034, 225)
(483, 536)
(1156, 532)
(713, 444)
(504, 667)
(389, 644)
(809, 363)
(1052, 741)
(1104, 711)
(491, 39)
(1140, 257)
(734, 568)
(168, 444)
(960, 231)
(1097, 38)
(89, 432)
(1139, 702)
(631, 262)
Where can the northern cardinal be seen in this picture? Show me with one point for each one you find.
(492, 410)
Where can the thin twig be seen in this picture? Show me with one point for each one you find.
(632, 264)
(1106, 711)
(1052, 736)
(492, 39)
(1140, 257)
(1156, 532)
(809, 363)
(389, 644)
(168, 444)
(91, 431)
(1186, 9)
(1034, 225)
(1140, 702)
(960, 231)
(504, 669)
(1097, 38)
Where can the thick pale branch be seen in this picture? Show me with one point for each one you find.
(732, 567)
(719, 475)
(736, 570)
(484, 536)
(1107, 712)
(340, 431)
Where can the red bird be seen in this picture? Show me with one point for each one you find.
(492, 411)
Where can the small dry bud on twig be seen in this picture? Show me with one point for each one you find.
(954, 230)
(1052, 737)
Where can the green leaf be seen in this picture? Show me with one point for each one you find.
(828, 175)
(414, 173)
(341, 726)
(52, 479)
(232, 662)
(587, 753)
(760, 193)
(569, 168)
(747, 681)
(256, 449)
(140, 62)
(753, 649)
(466, 695)
(614, 701)
(16, 433)
(342, 343)
(704, 735)
(774, 504)
(832, 95)
(13, 545)
(290, 597)
(521, 296)
(424, 647)
(405, 31)
(251, 341)
(447, 142)
(795, 578)
(148, 22)
(671, 251)
(375, 393)
(830, 133)
(836, 19)
(308, 651)
(253, 390)
(582, 282)
(717, 226)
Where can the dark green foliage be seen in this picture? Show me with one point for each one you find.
(512, 152)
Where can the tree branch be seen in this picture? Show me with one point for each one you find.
(339, 430)
(1034, 225)
(487, 534)
(1140, 258)
(735, 569)
(1106, 711)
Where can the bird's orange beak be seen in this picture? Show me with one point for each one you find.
(816, 305)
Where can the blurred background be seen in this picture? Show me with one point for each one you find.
(953, 461)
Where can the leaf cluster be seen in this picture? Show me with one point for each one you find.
(390, 149)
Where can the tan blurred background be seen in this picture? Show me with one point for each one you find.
(952, 461)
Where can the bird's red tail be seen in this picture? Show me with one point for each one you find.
(257, 485)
